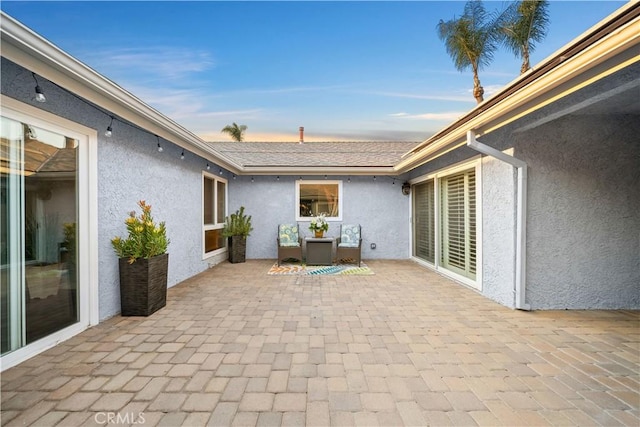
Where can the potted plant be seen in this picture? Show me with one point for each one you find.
(143, 264)
(319, 224)
(237, 228)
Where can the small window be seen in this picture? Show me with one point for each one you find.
(214, 211)
(316, 197)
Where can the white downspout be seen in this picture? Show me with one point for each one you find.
(521, 215)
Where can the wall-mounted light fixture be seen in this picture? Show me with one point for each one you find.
(39, 93)
(159, 146)
(406, 188)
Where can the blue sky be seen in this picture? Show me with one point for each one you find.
(343, 70)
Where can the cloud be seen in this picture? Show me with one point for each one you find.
(150, 63)
(373, 135)
(448, 116)
(454, 98)
(277, 91)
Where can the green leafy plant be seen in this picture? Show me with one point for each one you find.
(319, 223)
(237, 224)
(145, 240)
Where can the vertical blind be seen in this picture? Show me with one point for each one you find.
(458, 225)
(424, 221)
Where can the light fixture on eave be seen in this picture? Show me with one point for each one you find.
(109, 131)
(39, 93)
(182, 155)
(160, 149)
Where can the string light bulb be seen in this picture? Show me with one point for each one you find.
(220, 172)
(182, 155)
(39, 93)
(208, 166)
(160, 149)
(109, 131)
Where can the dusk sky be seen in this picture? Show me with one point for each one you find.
(343, 70)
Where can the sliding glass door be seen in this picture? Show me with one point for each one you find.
(38, 257)
(444, 213)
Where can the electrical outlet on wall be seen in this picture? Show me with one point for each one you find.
(373, 246)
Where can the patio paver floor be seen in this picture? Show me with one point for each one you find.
(402, 347)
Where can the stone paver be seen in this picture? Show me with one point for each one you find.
(404, 346)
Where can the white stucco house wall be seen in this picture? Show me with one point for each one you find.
(532, 198)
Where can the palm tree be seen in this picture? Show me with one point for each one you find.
(235, 131)
(522, 25)
(470, 41)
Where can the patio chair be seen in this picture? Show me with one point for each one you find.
(349, 244)
(289, 242)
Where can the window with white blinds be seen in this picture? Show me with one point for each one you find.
(424, 240)
(458, 223)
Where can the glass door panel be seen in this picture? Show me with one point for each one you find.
(39, 216)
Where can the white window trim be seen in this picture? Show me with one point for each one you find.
(322, 181)
(207, 227)
(475, 163)
(87, 222)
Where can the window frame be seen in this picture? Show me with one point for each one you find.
(215, 202)
(300, 182)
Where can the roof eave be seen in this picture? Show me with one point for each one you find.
(556, 77)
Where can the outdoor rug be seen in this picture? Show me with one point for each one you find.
(297, 269)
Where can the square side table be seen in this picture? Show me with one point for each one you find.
(319, 250)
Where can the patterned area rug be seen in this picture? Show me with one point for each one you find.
(298, 269)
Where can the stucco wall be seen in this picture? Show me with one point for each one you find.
(498, 230)
(129, 169)
(173, 188)
(584, 203)
(378, 206)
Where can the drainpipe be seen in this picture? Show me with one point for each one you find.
(521, 215)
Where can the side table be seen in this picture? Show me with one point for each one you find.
(319, 250)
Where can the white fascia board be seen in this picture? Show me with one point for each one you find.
(606, 56)
(284, 171)
(29, 50)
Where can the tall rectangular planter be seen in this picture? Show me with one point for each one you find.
(237, 249)
(143, 285)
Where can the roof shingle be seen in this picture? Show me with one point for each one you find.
(314, 154)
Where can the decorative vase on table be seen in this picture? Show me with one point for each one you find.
(143, 264)
(319, 225)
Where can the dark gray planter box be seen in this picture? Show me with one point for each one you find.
(143, 285)
(237, 249)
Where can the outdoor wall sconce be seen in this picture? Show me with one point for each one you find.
(406, 188)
